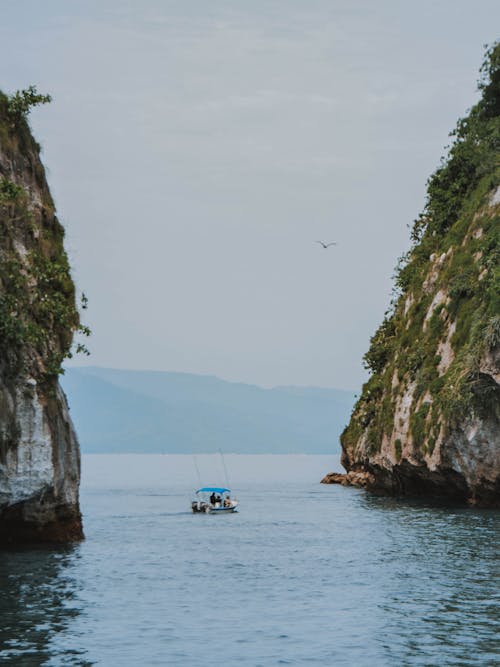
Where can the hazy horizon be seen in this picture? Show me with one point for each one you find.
(197, 151)
(89, 366)
(153, 411)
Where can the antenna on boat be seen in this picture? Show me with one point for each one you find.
(197, 471)
(225, 469)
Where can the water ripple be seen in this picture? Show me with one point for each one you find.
(302, 576)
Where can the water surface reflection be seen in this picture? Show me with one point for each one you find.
(306, 575)
(442, 598)
(38, 603)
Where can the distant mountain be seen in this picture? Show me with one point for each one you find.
(154, 411)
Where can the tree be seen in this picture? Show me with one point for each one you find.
(21, 103)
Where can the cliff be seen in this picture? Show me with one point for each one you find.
(39, 453)
(428, 419)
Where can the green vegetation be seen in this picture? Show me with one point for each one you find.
(447, 293)
(10, 193)
(473, 155)
(21, 103)
(398, 448)
(381, 346)
(418, 424)
(38, 313)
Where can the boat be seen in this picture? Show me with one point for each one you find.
(213, 500)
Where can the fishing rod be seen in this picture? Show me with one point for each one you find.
(197, 471)
(225, 469)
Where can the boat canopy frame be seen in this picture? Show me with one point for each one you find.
(213, 489)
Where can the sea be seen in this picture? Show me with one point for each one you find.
(303, 574)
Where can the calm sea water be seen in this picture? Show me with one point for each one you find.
(304, 575)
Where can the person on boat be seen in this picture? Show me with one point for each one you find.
(213, 499)
(218, 501)
(227, 501)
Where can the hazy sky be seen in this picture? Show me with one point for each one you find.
(197, 149)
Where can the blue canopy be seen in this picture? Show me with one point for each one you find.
(214, 489)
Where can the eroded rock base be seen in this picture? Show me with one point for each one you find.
(64, 526)
(406, 480)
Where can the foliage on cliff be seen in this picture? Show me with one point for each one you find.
(444, 321)
(38, 314)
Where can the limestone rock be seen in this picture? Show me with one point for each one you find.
(428, 419)
(39, 452)
(352, 478)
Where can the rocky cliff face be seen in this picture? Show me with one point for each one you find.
(39, 453)
(428, 419)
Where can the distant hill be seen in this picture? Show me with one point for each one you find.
(155, 412)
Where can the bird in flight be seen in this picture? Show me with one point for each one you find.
(326, 245)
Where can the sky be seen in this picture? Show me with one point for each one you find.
(197, 151)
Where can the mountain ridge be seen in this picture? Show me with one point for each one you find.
(118, 410)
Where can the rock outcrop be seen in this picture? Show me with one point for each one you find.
(39, 453)
(428, 419)
(359, 479)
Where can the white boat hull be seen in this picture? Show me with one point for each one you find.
(202, 508)
(222, 510)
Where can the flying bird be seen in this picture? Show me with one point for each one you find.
(326, 245)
